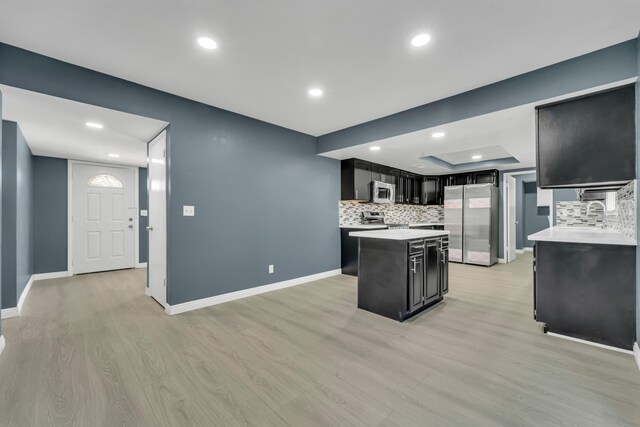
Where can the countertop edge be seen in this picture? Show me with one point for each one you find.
(580, 235)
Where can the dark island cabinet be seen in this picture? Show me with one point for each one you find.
(398, 279)
(587, 141)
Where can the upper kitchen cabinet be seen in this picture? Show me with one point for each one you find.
(356, 177)
(432, 190)
(382, 173)
(587, 141)
(485, 177)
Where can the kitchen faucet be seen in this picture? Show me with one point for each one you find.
(604, 207)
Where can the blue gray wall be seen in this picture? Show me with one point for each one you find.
(261, 194)
(534, 218)
(597, 68)
(49, 214)
(143, 203)
(17, 234)
(1, 185)
(520, 208)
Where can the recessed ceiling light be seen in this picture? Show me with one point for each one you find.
(207, 43)
(94, 125)
(438, 135)
(315, 92)
(420, 40)
(375, 148)
(476, 157)
(115, 156)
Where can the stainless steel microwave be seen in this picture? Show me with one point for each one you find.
(381, 192)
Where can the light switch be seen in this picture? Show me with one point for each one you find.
(188, 210)
(143, 212)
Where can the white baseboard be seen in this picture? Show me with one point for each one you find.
(502, 261)
(636, 354)
(8, 313)
(594, 344)
(147, 291)
(1, 343)
(519, 251)
(528, 249)
(231, 296)
(141, 265)
(53, 275)
(24, 294)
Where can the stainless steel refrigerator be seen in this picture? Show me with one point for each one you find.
(471, 216)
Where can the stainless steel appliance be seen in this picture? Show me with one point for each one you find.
(453, 214)
(471, 217)
(382, 192)
(371, 217)
(480, 224)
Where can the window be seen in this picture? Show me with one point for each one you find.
(104, 180)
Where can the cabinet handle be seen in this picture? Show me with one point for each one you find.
(413, 269)
(356, 194)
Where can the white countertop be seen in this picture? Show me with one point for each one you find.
(365, 226)
(425, 224)
(582, 235)
(399, 234)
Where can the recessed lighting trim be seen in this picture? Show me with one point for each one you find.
(375, 148)
(476, 156)
(94, 125)
(437, 135)
(115, 156)
(420, 40)
(207, 43)
(315, 92)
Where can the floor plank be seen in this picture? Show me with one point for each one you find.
(94, 350)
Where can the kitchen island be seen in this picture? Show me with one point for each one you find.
(584, 284)
(401, 272)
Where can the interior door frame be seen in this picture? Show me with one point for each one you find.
(505, 209)
(136, 196)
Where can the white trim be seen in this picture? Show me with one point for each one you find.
(594, 344)
(141, 265)
(8, 313)
(136, 196)
(244, 293)
(636, 354)
(147, 291)
(528, 249)
(502, 261)
(519, 251)
(2, 343)
(52, 275)
(24, 294)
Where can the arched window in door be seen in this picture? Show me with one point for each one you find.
(105, 180)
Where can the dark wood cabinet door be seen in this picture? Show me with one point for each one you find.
(486, 177)
(587, 141)
(376, 172)
(362, 180)
(430, 190)
(416, 281)
(432, 283)
(386, 176)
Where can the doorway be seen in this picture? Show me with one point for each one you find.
(104, 217)
(157, 228)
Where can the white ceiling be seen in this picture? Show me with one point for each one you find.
(56, 127)
(358, 51)
(506, 133)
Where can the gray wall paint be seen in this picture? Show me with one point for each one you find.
(520, 208)
(597, 68)
(262, 195)
(1, 192)
(143, 203)
(17, 214)
(534, 218)
(9, 174)
(49, 214)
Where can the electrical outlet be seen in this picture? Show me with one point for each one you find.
(143, 212)
(188, 211)
(271, 269)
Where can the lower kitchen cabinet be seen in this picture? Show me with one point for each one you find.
(586, 291)
(398, 279)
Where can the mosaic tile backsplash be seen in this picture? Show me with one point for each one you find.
(622, 219)
(394, 214)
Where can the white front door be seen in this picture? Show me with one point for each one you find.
(511, 218)
(158, 218)
(104, 218)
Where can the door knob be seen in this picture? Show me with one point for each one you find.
(149, 228)
(130, 219)
(131, 226)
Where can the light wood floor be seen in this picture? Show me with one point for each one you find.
(94, 350)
